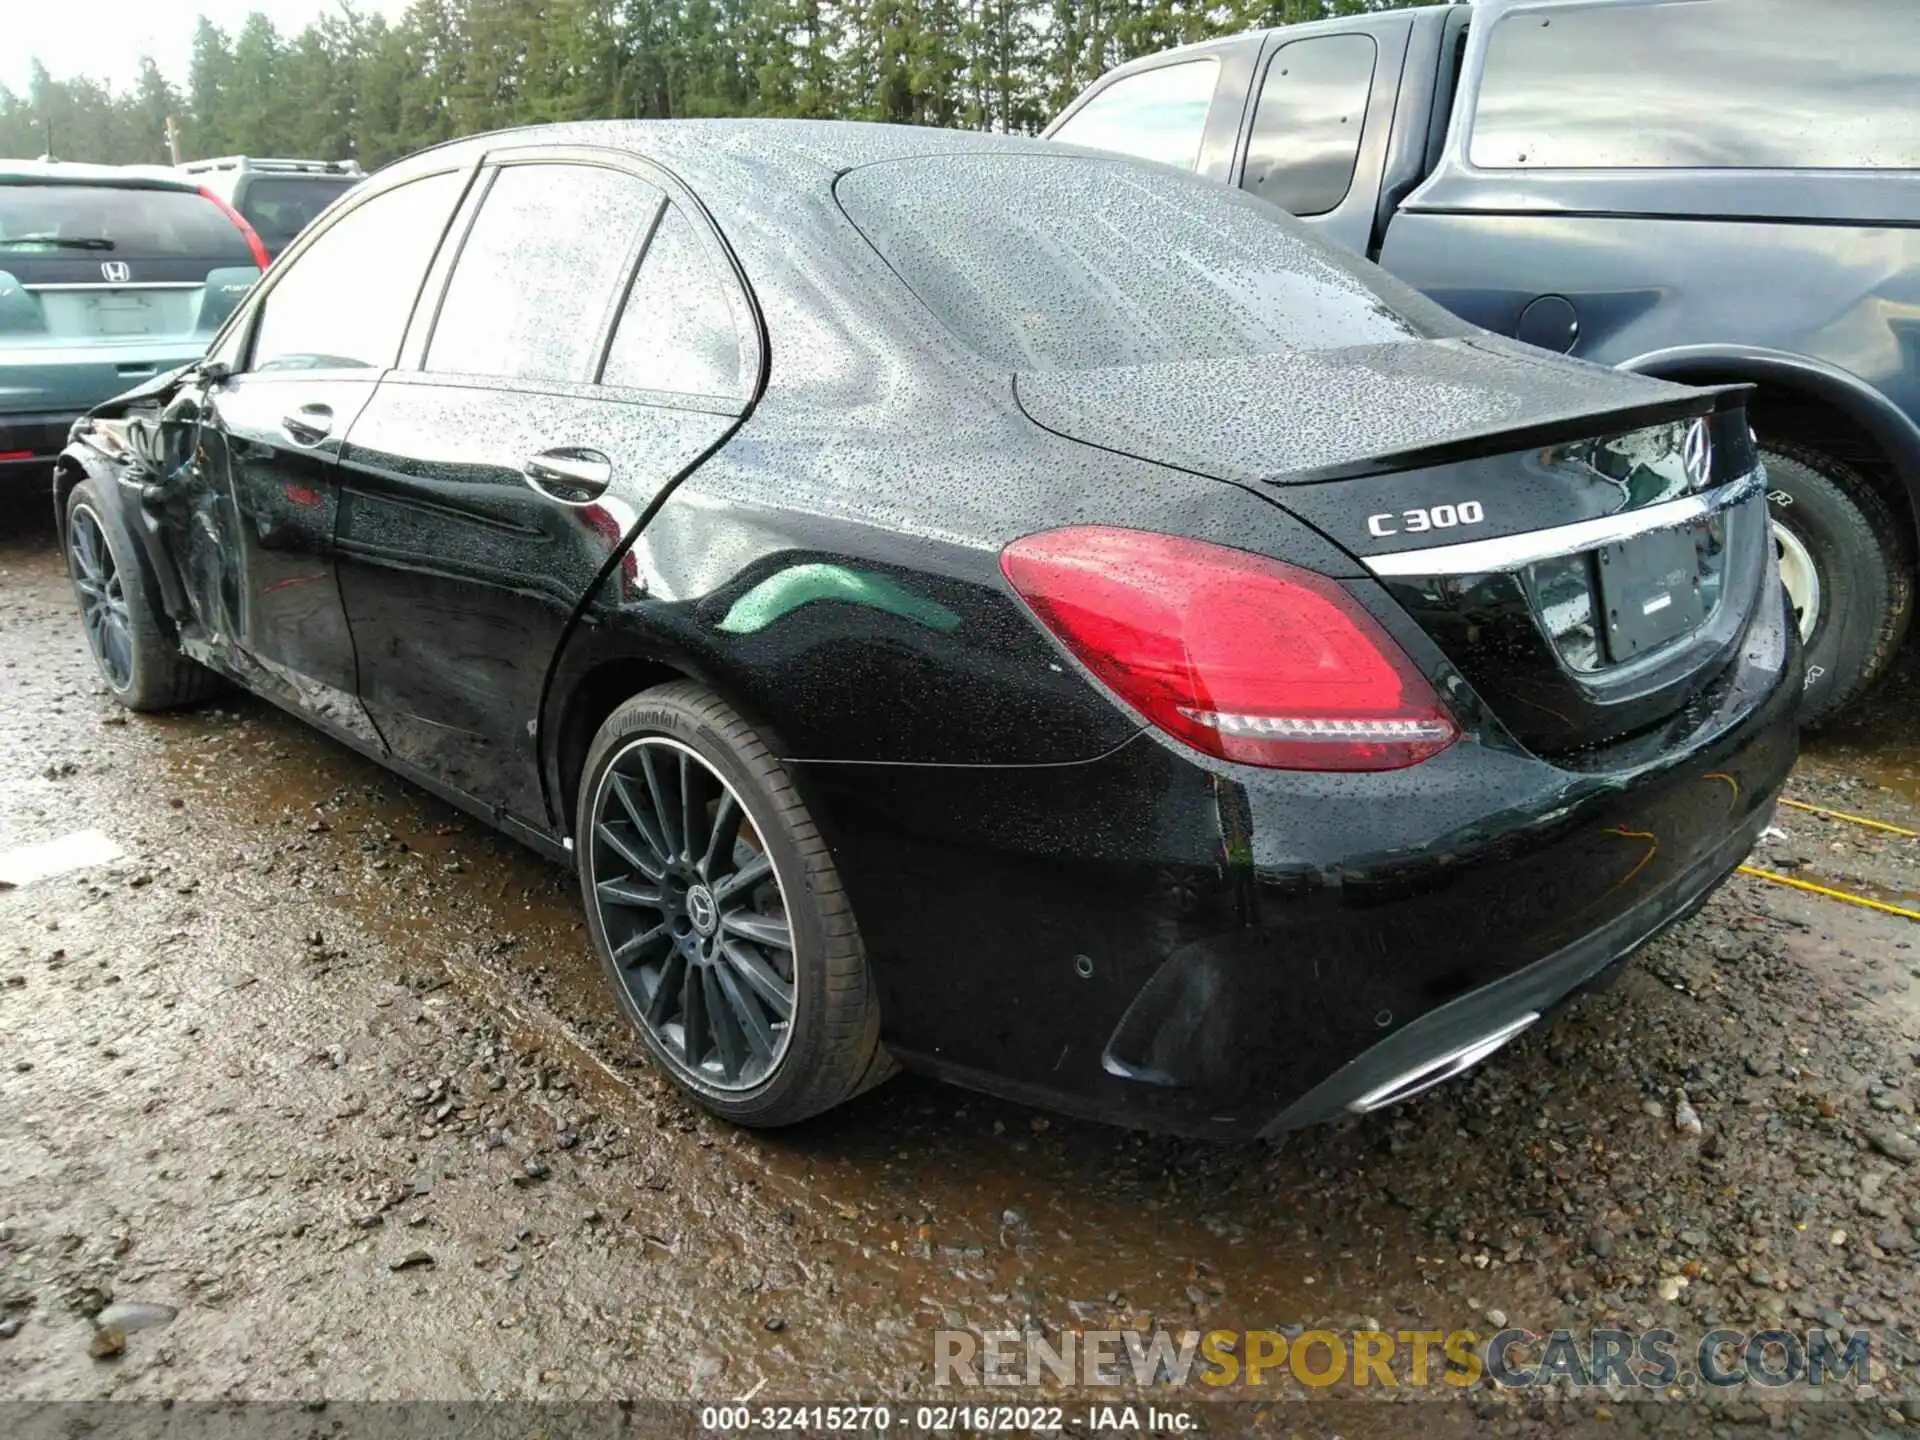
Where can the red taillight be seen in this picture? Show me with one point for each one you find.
(254, 243)
(1243, 657)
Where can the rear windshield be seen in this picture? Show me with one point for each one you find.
(117, 222)
(1045, 262)
(280, 207)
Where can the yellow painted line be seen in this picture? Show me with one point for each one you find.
(1814, 889)
(1853, 819)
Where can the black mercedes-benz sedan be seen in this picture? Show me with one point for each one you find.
(961, 602)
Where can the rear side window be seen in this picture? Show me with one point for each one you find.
(1307, 124)
(1710, 84)
(344, 302)
(117, 223)
(538, 270)
(677, 332)
(1158, 114)
(1062, 263)
(279, 207)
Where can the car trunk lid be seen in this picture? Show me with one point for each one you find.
(1303, 416)
(1585, 547)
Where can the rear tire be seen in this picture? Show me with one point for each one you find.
(755, 998)
(1847, 567)
(135, 655)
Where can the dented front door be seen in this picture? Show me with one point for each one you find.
(276, 476)
(249, 522)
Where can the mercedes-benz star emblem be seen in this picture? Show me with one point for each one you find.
(702, 910)
(1697, 455)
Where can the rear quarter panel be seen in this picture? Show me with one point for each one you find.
(850, 596)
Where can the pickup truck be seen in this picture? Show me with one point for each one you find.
(1708, 191)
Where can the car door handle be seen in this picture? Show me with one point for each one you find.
(570, 475)
(308, 425)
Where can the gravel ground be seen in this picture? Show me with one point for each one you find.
(324, 1072)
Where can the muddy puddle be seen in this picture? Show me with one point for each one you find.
(1876, 745)
(939, 1181)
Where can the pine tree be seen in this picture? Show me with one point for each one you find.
(207, 79)
(431, 73)
(379, 67)
(154, 101)
(256, 102)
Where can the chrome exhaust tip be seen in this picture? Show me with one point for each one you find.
(1429, 1073)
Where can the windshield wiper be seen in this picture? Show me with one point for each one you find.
(61, 242)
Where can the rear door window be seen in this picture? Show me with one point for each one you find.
(1308, 121)
(1709, 84)
(1158, 114)
(538, 271)
(116, 223)
(344, 302)
(677, 331)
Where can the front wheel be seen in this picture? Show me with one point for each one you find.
(135, 656)
(1844, 564)
(718, 913)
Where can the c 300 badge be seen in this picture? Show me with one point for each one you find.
(1418, 522)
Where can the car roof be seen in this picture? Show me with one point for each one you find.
(768, 186)
(767, 183)
(72, 172)
(752, 175)
(807, 154)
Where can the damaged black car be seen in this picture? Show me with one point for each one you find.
(963, 603)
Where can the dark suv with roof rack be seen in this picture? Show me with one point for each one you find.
(279, 197)
(1707, 191)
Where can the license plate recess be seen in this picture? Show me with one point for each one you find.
(1650, 591)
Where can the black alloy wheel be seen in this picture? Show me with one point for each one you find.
(694, 914)
(717, 910)
(134, 648)
(103, 598)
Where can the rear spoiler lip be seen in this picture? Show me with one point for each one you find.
(1560, 430)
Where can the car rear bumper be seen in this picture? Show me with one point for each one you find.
(1445, 1042)
(29, 443)
(1155, 940)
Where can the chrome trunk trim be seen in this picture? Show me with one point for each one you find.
(114, 285)
(1516, 552)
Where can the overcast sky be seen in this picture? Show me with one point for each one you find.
(106, 38)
